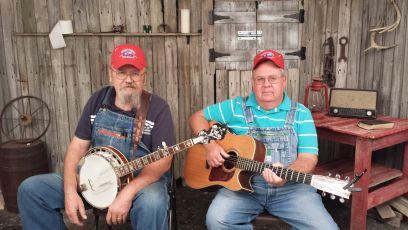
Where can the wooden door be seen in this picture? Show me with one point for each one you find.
(243, 28)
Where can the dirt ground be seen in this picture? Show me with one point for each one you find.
(191, 206)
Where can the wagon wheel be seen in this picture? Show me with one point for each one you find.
(25, 119)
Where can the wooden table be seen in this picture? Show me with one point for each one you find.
(346, 131)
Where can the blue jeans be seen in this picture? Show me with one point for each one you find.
(41, 197)
(297, 204)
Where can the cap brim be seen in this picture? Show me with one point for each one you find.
(121, 64)
(264, 60)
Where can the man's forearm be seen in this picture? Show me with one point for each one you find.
(198, 122)
(76, 150)
(70, 168)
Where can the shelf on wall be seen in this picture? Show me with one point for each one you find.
(115, 34)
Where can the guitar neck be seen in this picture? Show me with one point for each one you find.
(141, 162)
(284, 173)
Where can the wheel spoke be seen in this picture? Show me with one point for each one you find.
(23, 133)
(10, 118)
(36, 110)
(17, 109)
(13, 128)
(27, 106)
(39, 119)
(35, 130)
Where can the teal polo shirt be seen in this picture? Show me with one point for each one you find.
(231, 113)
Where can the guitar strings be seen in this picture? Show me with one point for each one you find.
(234, 160)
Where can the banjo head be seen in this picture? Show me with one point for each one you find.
(97, 179)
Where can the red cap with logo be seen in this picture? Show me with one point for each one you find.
(128, 54)
(269, 55)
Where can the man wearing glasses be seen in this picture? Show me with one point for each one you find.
(109, 119)
(288, 132)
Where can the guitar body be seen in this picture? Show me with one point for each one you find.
(198, 174)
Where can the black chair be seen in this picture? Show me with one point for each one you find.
(171, 213)
(269, 220)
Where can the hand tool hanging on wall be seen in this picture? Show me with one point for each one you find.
(329, 76)
(343, 41)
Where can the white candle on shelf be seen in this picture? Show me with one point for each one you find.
(185, 21)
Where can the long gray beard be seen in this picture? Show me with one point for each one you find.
(132, 99)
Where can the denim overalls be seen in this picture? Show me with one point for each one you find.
(115, 129)
(280, 143)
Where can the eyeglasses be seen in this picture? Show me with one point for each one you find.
(134, 75)
(270, 79)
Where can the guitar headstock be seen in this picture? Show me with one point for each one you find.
(215, 132)
(334, 186)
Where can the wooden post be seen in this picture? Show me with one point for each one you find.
(362, 161)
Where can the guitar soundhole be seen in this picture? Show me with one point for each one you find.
(230, 162)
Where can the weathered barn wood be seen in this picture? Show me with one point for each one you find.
(179, 68)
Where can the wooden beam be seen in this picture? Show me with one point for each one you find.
(401, 204)
(385, 211)
(114, 34)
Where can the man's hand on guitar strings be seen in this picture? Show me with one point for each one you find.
(272, 178)
(215, 154)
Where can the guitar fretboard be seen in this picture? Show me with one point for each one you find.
(284, 173)
(141, 162)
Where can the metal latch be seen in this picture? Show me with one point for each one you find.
(249, 35)
(212, 55)
(298, 16)
(300, 53)
(212, 17)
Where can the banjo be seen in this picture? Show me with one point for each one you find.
(104, 170)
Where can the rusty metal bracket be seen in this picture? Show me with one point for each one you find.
(212, 17)
(212, 55)
(300, 53)
(298, 16)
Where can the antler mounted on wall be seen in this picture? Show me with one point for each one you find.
(380, 30)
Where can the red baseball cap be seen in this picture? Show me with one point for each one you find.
(128, 54)
(269, 55)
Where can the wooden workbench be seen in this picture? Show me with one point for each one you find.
(346, 131)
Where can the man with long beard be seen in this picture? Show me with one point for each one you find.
(109, 119)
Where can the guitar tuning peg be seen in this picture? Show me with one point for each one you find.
(329, 174)
(347, 178)
(164, 144)
(323, 194)
(338, 176)
(332, 197)
(341, 200)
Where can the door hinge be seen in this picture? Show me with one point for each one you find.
(212, 55)
(212, 17)
(298, 16)
(300, 53)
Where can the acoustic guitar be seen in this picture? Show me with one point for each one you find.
(246, 158)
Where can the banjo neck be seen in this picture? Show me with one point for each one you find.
(141, 162)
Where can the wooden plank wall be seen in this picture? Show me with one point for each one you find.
(65, 78)
(179, 69)
(382, 70)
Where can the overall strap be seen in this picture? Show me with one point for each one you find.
(290, 117)
(249, 116)
(140, 118)
(106, 97)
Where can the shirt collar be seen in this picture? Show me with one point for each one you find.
(285, 105)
